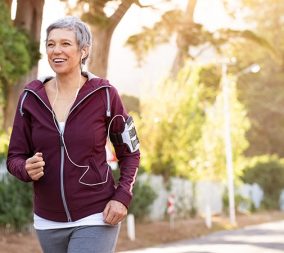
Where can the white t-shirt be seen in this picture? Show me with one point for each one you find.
(91, 220)
(61, 126)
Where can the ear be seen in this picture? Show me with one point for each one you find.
(84, 52)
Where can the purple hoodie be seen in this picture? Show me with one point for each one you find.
(77, 180)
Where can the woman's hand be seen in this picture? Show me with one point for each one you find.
(34, 166)
(114, 212)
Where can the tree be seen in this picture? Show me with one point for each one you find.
(211, 149)
(189, 35)
(102, 26)
(182, 37)
(268, 173)
(15, 60)
(29, 21)
(9, 4)
(263, 94)
(171, 128)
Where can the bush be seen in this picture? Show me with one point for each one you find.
(268, 173)
(16, 203)
(143, 197)
(4, 142)
(240, 202)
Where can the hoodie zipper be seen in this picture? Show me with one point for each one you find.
(61, 162)
(67, 212)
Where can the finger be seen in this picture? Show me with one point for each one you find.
(35, 171)
(109, 217)
(117, 218)
(34, 159)
(106, 211)
(32, 166)
(114, 220)
(37, 176)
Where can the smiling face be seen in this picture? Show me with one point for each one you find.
(64, 55)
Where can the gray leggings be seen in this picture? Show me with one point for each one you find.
(87, 239)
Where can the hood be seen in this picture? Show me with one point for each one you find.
(93, 83)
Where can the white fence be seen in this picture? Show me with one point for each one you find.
(3, 169)
(208, 194)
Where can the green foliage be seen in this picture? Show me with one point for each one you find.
(18, 54)
(210, 78)
(4, 142)
(262, 94)
(16, 203)
(239, 202)
(170, 130)
(160, 33)
(268, 173)
(98, 13)
(143, 197)
(211, 160)
(15, 59)
(131, 103)
(264, 99)
(187, 136)
(190, 34)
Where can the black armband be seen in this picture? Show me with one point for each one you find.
(128, 136)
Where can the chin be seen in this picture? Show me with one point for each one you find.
(60, 71)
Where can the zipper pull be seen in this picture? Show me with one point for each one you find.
(61, 140)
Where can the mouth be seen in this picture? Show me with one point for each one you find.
(58, 60)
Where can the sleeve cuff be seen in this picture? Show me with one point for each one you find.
(24, 173)
(123, 197)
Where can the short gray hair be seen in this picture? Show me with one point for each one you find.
(82, 31)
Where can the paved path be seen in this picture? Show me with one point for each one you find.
(264, 238)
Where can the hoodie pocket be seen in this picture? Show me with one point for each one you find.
(94, 176)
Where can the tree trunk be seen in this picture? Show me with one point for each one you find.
(182, 45)
(99, 57)
(9, 3)
(102, 37)
(29, 18)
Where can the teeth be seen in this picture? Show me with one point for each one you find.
(58, 60)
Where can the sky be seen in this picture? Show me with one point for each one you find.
(123, 71)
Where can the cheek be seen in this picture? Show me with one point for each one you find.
(48, 53)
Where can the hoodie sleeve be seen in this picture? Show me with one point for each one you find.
(20, 144)
(128, 162)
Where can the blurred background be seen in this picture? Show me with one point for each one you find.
(203, 80)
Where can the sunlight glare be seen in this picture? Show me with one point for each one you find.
(72, 3)
(111, 7)
(13, 9)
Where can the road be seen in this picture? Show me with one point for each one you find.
(264, 238)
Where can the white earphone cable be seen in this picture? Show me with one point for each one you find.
(63, 140)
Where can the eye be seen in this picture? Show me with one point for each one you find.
(66, 43)
(50, 44)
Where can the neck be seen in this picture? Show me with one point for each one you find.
(68, 82)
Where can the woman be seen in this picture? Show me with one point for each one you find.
(58, 142)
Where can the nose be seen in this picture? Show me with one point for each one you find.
(57, 49)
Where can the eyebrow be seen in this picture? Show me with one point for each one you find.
(60, 40)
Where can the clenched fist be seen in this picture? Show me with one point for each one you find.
(114, 212)
(34, 166)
